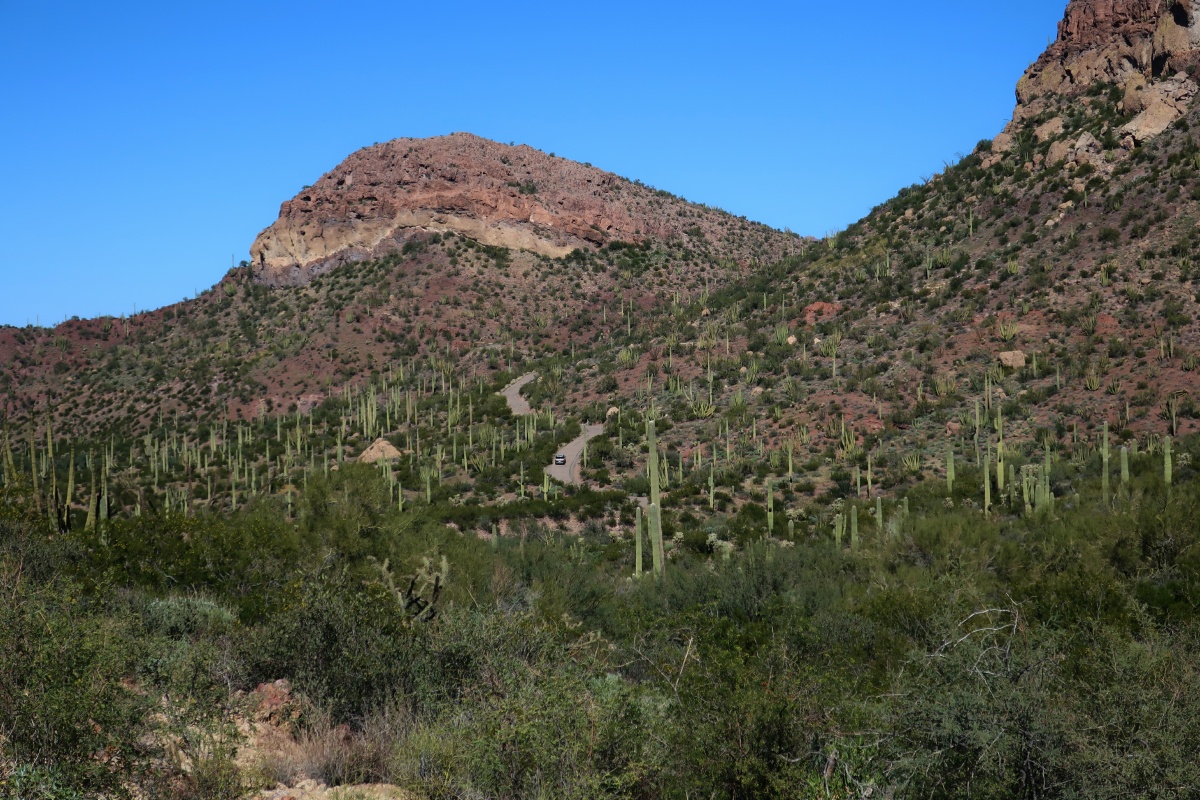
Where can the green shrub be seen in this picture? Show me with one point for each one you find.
(62, 700)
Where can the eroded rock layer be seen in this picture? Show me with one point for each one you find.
(503, 195)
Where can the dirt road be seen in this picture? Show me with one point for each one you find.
(512, 393)
(571, 473)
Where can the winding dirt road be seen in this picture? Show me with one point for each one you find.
(512, 393)
(571, 472)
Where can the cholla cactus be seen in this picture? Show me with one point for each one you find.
(419, 600)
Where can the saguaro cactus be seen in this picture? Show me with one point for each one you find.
(658, 553)
(637, 543)
(652, 463)
(770, 508)
(950, 468)
(987, 480)
(1000, 451)
(1167, 462)
(1104, 463)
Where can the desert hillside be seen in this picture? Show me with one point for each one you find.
(495, 475)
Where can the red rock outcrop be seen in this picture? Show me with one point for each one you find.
(1112, 41)
(1148, 48)
(510, 196)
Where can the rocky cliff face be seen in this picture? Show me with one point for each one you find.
(508, 196)
(1150, 48)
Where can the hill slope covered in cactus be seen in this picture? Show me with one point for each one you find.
(906, 509)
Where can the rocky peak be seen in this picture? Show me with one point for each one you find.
(502, 195)
(1148, 49)
(1123, 42)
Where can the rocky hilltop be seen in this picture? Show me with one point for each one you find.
(501, 195)
(1148, 48)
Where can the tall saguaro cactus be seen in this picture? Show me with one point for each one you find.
(637, 543)
(770, 508)
(1168, 466)
(987, 480)
(657, 552)
(652, 463)
(950, 468)
(1104, 463)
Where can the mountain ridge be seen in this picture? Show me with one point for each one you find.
(1057, 193)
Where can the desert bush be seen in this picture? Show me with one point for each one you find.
(61, 698)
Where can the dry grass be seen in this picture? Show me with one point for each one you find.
(335, 755)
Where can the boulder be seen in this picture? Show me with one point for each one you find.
(1134, 97)
(820, 311)
(1161, 104)
(1049, 130)
(380, 450)
(1088, 150)
(1058, 153)
(1013, 359)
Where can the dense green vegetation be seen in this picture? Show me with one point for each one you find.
(948, 655)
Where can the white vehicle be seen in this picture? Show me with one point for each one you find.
(560, 460)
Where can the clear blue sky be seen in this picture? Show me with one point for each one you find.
(144, 144)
